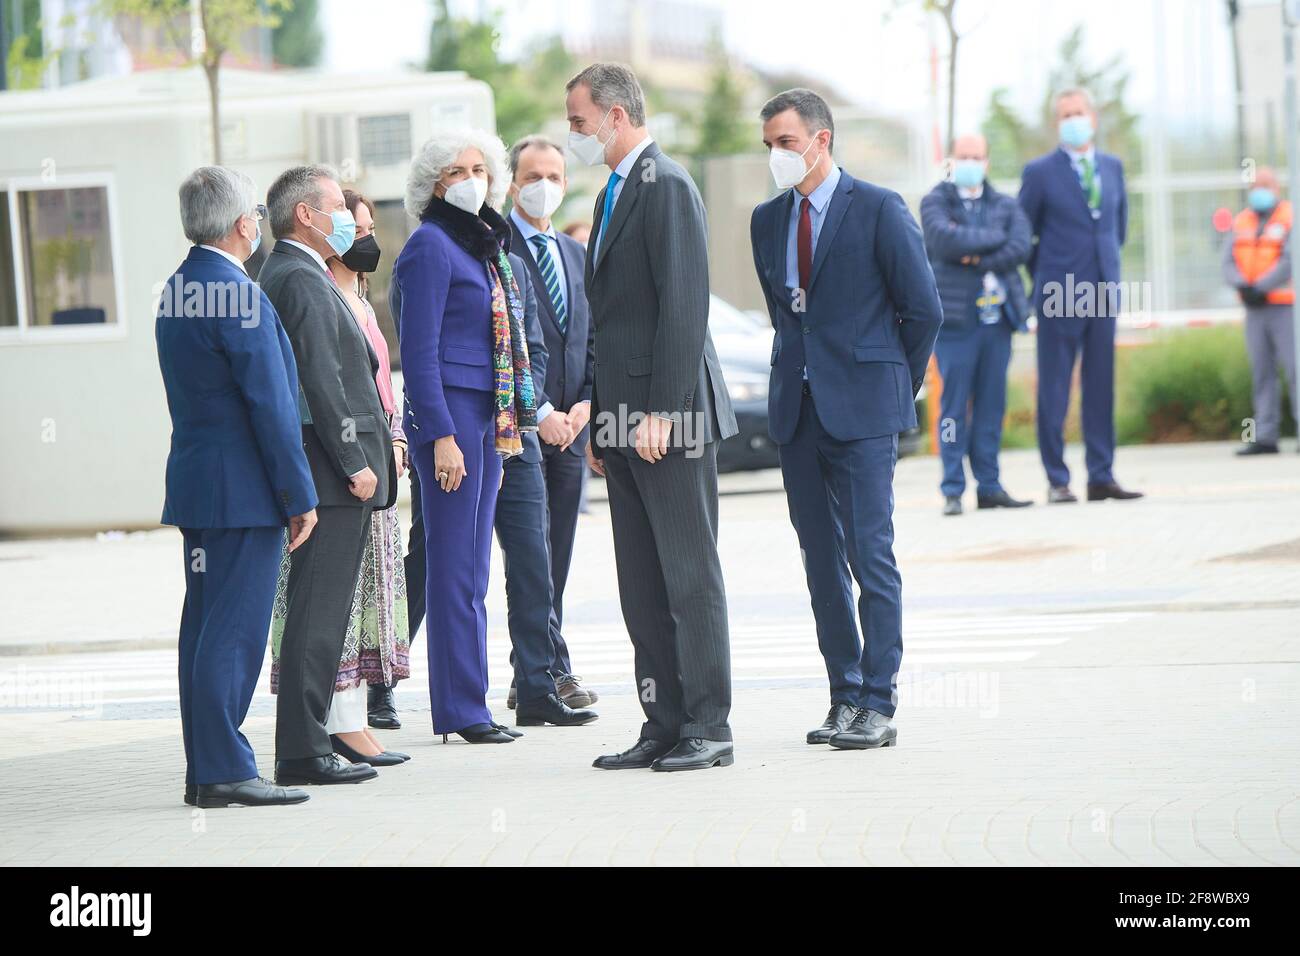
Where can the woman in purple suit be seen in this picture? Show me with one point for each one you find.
(469, 390)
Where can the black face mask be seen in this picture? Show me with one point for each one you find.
(363, 255)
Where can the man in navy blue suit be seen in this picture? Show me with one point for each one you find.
(853, 300)
(236, 476)
(1078, 211)
(555, 264)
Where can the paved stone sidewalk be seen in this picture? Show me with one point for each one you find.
(1112, 683)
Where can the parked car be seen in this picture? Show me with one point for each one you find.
(744, 344)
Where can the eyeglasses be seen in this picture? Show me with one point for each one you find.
(259, 212)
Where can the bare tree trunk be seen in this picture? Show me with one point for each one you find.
(1238, 92)
(211, 70)
(952, 85)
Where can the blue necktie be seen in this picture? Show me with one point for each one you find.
(614, 179)
(546, 266)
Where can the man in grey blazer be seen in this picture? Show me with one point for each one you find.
(346, 437)
(659, 409)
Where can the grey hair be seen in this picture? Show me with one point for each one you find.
(440, 152)
(1074, 91)
(212, 200)
(536, 139)
(610, 85)
(811, 108)
(294, 185)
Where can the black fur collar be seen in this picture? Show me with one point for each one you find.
(482, 236)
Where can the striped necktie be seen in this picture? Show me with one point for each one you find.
(546, 266)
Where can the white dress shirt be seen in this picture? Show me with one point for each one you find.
(223, 252)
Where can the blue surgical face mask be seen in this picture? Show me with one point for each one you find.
(344, 230)
(1261, 199)
(968, 173)
(257, 237)
(1076, 131)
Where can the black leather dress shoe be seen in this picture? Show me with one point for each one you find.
(551, 710)
(1257, 448)
(389, 758)
(869, 729)
(837, 718)
(328, 769)
(952, 505)
(637, 757)
(381, 708)
(191, 794)
(247, 793)
(696, 753)
(1110, 489)
(1060, 495)
(1000, 499)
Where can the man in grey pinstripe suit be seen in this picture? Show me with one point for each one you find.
(659, 409)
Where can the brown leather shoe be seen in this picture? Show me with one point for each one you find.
(569, 689)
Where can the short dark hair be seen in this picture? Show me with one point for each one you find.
(536, 139)
(812, 109)
(610, 85)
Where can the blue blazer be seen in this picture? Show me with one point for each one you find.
(444, 327)
(572, 366)
(869, 321)
(996, 230)
(1070, 240)
(236, 457)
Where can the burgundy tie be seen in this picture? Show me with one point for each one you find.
(805, 244)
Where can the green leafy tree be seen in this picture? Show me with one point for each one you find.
(27, 57)
(297, 40)
(1014, 140)
(524, 89)
(723, 130)
(221, 24)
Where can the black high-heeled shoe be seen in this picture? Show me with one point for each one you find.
(508, 730)
(481, 734)
(389, 758)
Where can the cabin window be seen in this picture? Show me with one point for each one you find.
(57, 258)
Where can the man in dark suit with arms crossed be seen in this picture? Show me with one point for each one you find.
(659, 409)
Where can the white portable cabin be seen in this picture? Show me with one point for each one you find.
(89, 226)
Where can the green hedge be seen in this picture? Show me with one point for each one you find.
(1186, 385)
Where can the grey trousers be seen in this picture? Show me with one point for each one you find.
(322, 579)
(1270, 343)
(665, 522)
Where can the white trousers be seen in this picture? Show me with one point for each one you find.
(347, 713)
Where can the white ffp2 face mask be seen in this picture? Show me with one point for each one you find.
(468, 194)
(540, 199)
(788, 169)
(590, 149)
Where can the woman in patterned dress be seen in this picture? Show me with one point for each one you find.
(375, 650)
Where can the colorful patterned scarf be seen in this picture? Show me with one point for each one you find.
(516, 405)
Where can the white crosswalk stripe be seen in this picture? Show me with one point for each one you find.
(767, 650)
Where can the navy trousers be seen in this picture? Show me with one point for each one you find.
(841, 500)
(565, 476)
(973, 360)
(521, 525)
(458, 558)
(230, 576)
(1062, 340)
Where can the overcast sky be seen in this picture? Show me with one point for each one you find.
(881, 62)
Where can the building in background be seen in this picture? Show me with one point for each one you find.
(89, 228)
